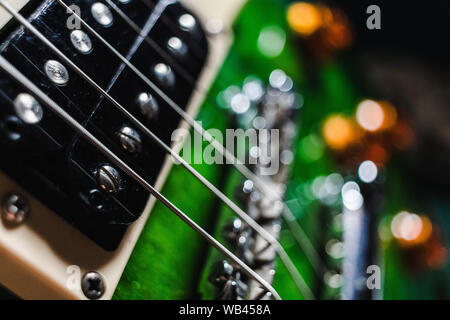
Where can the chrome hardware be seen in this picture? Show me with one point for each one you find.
(244, 191)
(233, 230)
(248, 186)
(102, 14)
(177, 46)
(230, 287)
(258, 106)
(56, 72)
(15, 209)
(164, 74)
(221, 273)
(187, 22)
(232, 290)
(148, 105)
(93, 285)
(81, 41)
(28, 109)
(108, 179)
(130, 140)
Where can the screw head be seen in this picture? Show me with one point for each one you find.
(164, 74)
(81, 41)
(28, 109)
(93, 285)
(187, 22)
(56, 72)
(15, 209)
(102, 14)
(130, 140)
(148, 105)
(108, 179)
(177, 46)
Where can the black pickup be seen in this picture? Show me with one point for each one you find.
(50, 160)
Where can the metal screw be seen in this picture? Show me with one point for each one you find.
(130, 140)
(108, 179)
(177, 46)
(164, 74)
(245, 192)
(102, 14)
(81, 41)
(56, 72)
(248, 186)
(148, 105)
(28, 109)
(187, 22)
(15, 209)
(93, 285)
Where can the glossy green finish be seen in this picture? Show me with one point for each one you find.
(172, 262)
(168, 255)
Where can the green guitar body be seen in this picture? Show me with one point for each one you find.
(171, 261)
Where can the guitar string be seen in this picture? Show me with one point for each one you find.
(295, 228)
(75, 125)
(299, 234)
(255, 226)
(267, 236)
(294, 273)
(153, 44)
(159, 50)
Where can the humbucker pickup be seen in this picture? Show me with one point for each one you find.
(49, 159)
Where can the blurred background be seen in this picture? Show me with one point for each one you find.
(393, 139)
(370, 183)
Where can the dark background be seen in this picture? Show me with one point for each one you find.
(414, 25)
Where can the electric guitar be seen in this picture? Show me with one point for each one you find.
(155, 149)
